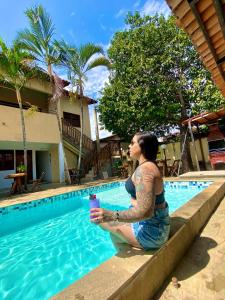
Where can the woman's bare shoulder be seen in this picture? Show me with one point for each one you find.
(151, 167)
(147, 169)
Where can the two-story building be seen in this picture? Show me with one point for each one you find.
(42, 133)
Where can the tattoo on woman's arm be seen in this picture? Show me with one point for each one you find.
(144, 184)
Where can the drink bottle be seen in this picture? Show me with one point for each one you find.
(94, 202)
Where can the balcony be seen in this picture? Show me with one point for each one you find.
(40, 127)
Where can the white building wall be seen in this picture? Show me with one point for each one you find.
(61, 164)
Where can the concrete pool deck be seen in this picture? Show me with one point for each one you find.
(201, 272)
(203, 174)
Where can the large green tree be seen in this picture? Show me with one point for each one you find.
(39, 41)
(16, 68)
(157, 76)
(79, 62)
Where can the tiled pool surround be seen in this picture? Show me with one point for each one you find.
(90, 190)
(135, 274)
(82, 192)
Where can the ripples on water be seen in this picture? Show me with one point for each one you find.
(39, 261)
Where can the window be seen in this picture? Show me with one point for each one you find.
(72, 118)
(6, 160)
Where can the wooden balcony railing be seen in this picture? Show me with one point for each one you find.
(73, 135)
(95, 160)
(91, 159)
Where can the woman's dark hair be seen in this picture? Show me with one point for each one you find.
(149, 144)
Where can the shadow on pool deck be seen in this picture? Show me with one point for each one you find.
(201, 272)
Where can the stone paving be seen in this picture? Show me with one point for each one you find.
(201, 273)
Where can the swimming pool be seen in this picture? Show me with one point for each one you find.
(48, 244)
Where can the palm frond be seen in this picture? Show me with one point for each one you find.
(16, 65)
(38, 39)
(100, 61)
(41, 24)
(87, 51)
(28, 42)
(60, 47)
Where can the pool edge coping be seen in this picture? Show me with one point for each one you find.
(134, 271)
(67, 189)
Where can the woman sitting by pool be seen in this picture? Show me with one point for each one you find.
(146, 223)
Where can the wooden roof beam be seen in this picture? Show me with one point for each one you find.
(205, 33)
(220, 13)
(221, 60)
(192, 2)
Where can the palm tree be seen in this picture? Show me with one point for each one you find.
(16, 68)
(78, 62)
(38, 40)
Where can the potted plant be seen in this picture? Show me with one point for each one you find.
(20, 168)
(116, 167)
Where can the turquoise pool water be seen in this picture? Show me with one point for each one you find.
(46, 245)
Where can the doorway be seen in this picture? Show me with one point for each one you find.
(43, 163)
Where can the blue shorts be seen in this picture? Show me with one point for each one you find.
(154, 232)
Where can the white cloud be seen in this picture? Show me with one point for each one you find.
(102, 133)
(120, 13)
(93, 86)
(152, 7)
(96, 81)
(105, 47)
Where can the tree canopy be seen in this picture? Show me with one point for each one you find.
(156, 76)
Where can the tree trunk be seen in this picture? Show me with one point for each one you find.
(187, 164)
(99, 171)
(66, 169)
(81, 127)
(49, 67)
(55, 109)
(18, 95)
(201, 149)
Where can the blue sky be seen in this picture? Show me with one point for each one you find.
(79, 22)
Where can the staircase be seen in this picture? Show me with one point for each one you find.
(91, 163)
(72, 135)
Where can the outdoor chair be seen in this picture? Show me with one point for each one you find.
(37, 182)
(124, 171)
(75, 176)
(173, 170)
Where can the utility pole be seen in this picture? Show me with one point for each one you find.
(97, 141)
(188, 112)
(193, 141)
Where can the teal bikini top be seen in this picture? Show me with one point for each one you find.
(130, 187)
